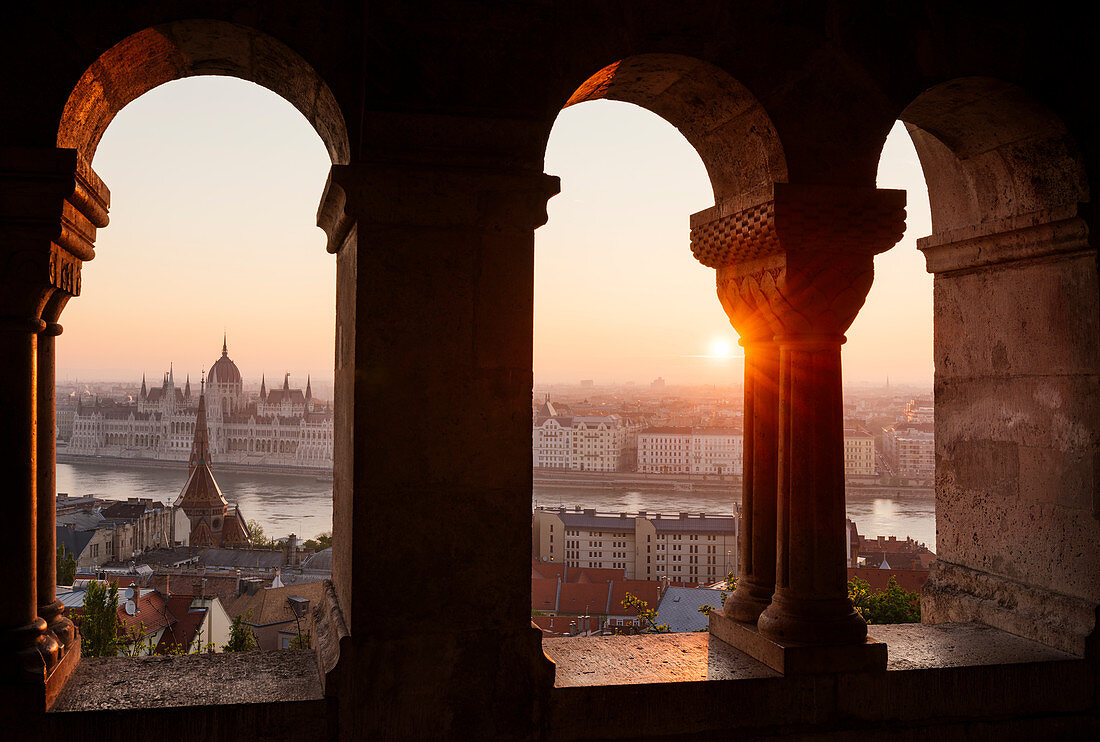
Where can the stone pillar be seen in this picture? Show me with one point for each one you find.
(49, 607)
(433, 439)
(792, 273)
(50, 205)
(756, 578)
(810, 604)
(1017, 315)
(714, 239)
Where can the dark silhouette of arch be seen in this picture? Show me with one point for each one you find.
(171, 51)
(720, 117)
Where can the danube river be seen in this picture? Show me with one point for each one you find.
(284, 503)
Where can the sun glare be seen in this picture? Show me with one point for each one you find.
(720, 349)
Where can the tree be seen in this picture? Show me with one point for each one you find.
(301, 641)
(259, 540)
(66, 566)
(323, 541)
(135, 644)
(99, 621)
(892, 605)
(241, 638)
(646, 615)
(731, 585)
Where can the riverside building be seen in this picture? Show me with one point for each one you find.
(282, 427)
(582, 442)
(648, 546)
(690, 451)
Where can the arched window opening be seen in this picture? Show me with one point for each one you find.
(628, 329)
(212, 248)
(160, 287)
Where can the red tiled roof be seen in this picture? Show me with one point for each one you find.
(911, 580)
(553, 625)
(595, 574)
(647, 590)
(544, 593)
(181, 633)
(545, 570)
(579, 597)
(151, 616)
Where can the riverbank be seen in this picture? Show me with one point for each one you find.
(111, 461)
(604, 481)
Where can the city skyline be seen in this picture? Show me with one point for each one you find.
(239, 173)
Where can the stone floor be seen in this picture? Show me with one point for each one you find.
(668, 658)
(194, 680)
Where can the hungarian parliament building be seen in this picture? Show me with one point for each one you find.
(282, 427)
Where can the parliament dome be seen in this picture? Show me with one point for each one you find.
(224, 371)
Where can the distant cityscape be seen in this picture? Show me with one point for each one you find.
(282, 427)
(194, 561)
(888, 434)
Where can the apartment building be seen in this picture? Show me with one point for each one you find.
(675, 450)
(648, 546)
(581, 442)
(859, 453)
(912, 452)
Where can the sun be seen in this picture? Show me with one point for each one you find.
(720, 349)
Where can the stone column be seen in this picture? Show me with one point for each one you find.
(756, 579)
(49, 607)
(50, 205)
(716, 238)
(800, 263)
(433, 438)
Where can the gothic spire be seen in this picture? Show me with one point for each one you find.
(187, 387)
(144, 390)
(263, 387)
(225, 347)
(286, 382)
(200, 446)
(309, 390)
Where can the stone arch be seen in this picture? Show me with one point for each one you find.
(725, 123)
(991, 152)
(187, 48)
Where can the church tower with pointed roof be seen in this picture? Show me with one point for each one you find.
(212, 523)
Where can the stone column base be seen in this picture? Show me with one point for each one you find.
(60, 674)
(791, 658)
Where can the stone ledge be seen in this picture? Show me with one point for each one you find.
(674, 658)
(119, 683)
(648, 658)
(944, 682)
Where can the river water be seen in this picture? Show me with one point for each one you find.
(286, 504)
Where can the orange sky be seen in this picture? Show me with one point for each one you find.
(215, 184)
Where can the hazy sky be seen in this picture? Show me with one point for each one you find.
(215, 184)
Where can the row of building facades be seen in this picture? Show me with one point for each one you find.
(281, 427)
(613, 443)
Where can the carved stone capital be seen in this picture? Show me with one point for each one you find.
(799, 218)
(798, 294)
(800, 262)
(415, 194)
(52, 203)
